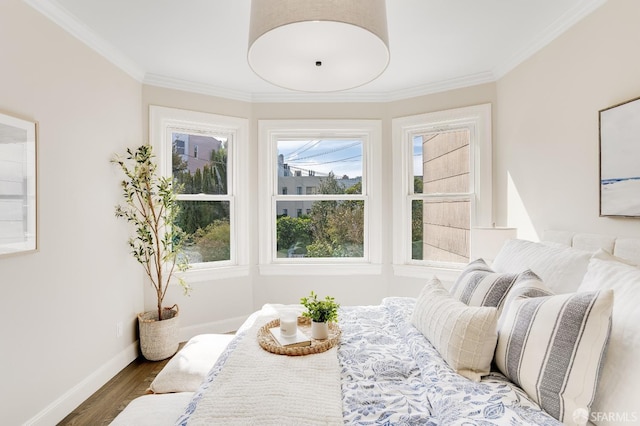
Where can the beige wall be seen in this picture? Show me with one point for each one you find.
(547, 152)
(213, 302)
(60, 305)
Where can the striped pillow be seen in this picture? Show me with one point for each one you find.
(553, 348)
(465, 336)
(478, 285)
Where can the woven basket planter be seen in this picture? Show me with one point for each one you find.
(159, 339)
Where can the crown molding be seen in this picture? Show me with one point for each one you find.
(335, 97)
(443, 86)
(553, 31)
(60, 16)
(194, 87)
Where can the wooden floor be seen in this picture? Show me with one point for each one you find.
(104, 405)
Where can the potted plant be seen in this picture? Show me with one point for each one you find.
(150, 206)
(321, 312)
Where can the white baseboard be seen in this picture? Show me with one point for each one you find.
(223, 326)
(66, 403)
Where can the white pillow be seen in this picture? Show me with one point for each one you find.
(527, 284)
(561, 268)
(186, 370)
(153, 410)
(552, 347)
(464, 335)
(479, 285)
(619, 387)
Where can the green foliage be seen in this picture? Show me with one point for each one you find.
(417, 219)
(150, 206)
(205, 223)
(320, 310)
(293, 232)
(337, 227)
(214, 241)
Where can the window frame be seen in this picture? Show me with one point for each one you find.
(269, 132)
(478, 120)
(162, 122)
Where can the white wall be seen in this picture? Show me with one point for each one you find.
(547, 150)
(214, 305)
(60, 305)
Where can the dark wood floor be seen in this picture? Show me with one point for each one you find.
(104, 405)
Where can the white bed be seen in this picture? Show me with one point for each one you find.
(386, 371)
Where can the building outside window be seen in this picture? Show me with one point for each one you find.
(442, 186)
(334, 187)
(210, 187)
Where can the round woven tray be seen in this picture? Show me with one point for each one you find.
(268, 343)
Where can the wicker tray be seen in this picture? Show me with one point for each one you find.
(268, 343)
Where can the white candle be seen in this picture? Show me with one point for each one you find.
(288, 325)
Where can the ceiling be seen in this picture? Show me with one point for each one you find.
(201, 45)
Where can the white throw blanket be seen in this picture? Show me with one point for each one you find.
(256, 387)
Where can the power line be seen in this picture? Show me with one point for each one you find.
(303, 148)
(330, 151)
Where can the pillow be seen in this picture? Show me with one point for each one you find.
(553, 346)
(154, 410)
(561, 268)
(478, 285)
(186, 370)
(464, 335)
(619, 386)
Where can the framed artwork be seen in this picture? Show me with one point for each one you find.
(620, 160)
(18, 198)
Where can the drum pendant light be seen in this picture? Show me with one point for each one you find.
(318, 45)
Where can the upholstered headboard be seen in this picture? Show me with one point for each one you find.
(625, 248)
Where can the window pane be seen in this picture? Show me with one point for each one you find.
(329, 229)
(206, 224)
(445, 159)
(304, 165)
(440, 226)
(199, 163)
(440, 230)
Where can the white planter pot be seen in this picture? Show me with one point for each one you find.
(319, 330)
(159, 339)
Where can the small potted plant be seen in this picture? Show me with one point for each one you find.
(151, 207)
(321, 312)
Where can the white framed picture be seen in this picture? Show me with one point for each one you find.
(18, 197)
(620, 160)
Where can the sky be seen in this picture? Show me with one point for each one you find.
(342, 157)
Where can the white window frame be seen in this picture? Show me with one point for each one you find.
(477, 119)
(162, 122)
(370, 132)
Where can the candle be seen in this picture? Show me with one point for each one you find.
(288, 324)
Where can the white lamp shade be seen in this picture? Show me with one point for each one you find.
(318, 45)
(486, 242)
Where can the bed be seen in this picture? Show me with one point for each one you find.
(395, 366)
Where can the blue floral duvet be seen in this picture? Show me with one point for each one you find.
(391, 375)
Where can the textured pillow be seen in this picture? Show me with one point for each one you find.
(465, 336)
(561, 268)
(479, 285)
(186, 370)
(527, 284)
(553, 346)
(153, 410)
(619, 385)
